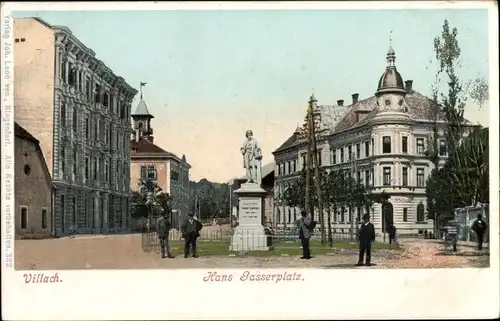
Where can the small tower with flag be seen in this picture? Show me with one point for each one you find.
(142, 119)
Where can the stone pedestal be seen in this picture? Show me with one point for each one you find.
(250, 234)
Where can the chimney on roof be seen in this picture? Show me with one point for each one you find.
(409, 86)
(355, 98)
(340, 102)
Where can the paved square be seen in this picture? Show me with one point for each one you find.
(125, 252)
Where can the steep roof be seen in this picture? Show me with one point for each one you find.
(419, 108)
(142, 109)
(24, 134)
(329, 115)
(291, 141)
(325, 117)
(349, 119)
(145, 148)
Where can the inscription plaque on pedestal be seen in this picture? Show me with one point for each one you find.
(250, 211)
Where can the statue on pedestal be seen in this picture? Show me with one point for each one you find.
(252, 157)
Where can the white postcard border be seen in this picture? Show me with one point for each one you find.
(324, 294)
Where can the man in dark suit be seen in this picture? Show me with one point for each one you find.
(479, 227)
(366, 237)
(190, 229)
(162, 230)
(392, 234)
(305, 226)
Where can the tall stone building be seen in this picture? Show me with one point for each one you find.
(149, 162)
(79, 110)
(380, 141)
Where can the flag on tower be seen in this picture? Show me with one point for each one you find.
(142, 85)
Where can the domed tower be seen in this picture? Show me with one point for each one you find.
(141, 119)
(391, 88)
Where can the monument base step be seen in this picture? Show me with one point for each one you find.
(249, 239)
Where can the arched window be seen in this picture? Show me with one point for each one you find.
(420, 213)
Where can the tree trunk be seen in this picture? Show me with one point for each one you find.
(317, 180)
(307, 204)
(435, 148)
(330, 236)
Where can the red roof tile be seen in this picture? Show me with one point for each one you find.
(143, 146)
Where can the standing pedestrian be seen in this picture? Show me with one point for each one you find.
(392, 234)
(190, 229)
(306, 226)
(479, 227)
(366, 237)
(163, 225)
(452, 233)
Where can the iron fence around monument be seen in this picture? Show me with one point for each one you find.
(278, 238)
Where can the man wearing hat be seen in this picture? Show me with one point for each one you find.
(162, 230)
(305, 225)
(366, 237)
(479, 227)
(190, 229)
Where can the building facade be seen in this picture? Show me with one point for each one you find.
(80, 112)
(149, 162)
(290, 159)
(33, 187)
(381, 141)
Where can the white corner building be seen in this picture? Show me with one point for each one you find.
(382, 141)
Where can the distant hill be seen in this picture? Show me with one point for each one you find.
(211, 197)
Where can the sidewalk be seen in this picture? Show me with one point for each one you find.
(462, 243)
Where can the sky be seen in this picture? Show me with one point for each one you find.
(211, 75)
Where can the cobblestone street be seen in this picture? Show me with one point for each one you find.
(414, 254)
(125, 252)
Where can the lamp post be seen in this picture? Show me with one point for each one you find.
(230, 203)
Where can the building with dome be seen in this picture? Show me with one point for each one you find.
(151, 163)
(380, 140)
